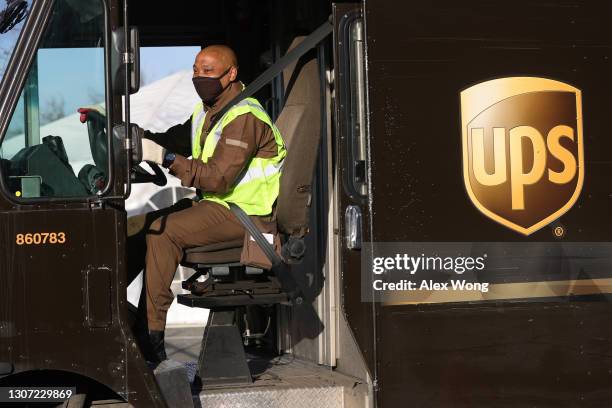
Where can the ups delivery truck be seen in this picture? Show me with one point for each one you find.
(445, 206)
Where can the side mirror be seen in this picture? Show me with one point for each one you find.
(120, 58)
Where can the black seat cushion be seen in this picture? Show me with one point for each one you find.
(219, 253)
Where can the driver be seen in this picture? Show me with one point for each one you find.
(236, 158)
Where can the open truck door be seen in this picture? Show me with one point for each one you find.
(357, 318)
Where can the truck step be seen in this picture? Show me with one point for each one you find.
(286, 382)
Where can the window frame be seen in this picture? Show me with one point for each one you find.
(13, 83)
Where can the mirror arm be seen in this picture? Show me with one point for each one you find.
(126, 52)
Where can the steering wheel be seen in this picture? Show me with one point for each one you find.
(96, 129)
(140, 175)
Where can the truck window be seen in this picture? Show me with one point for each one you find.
(12, 17)
(50, 149)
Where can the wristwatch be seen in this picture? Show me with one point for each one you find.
(168, 159)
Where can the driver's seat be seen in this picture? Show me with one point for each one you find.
(214, 254)
(231, 286)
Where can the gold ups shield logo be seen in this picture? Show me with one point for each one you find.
(523, 161)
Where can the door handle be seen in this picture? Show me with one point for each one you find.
(352, 224)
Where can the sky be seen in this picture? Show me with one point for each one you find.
(76, 75)
(158, 62)
(70, 78)
(81, 80)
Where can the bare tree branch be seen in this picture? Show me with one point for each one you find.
(54, 109)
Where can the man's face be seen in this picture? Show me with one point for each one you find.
(210, 64)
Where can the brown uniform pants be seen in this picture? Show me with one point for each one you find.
(163, 235)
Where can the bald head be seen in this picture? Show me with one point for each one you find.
(222, 53)
(215, 60)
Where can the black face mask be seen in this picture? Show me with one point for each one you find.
(209, 88)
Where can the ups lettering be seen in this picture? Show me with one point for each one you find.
(520, 174)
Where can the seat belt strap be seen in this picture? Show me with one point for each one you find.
(259, 238)
(275, 69)
(268, 75)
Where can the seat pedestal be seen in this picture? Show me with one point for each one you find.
(222, 359)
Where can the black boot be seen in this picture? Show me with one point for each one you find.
(150, 342)
(158, 346)
(141, 333)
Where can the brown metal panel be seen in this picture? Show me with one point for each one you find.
(98, 312)
(44, 300)
(421, 55)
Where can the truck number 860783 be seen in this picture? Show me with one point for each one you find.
(40, 238)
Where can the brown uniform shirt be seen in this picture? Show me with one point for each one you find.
(243, 138)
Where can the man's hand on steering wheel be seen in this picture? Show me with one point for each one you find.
(152, 152)
(149, 151)
(154, 155)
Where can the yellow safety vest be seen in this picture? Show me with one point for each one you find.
(256, 189)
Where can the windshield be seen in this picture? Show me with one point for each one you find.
(12, 17)
(56, 144)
